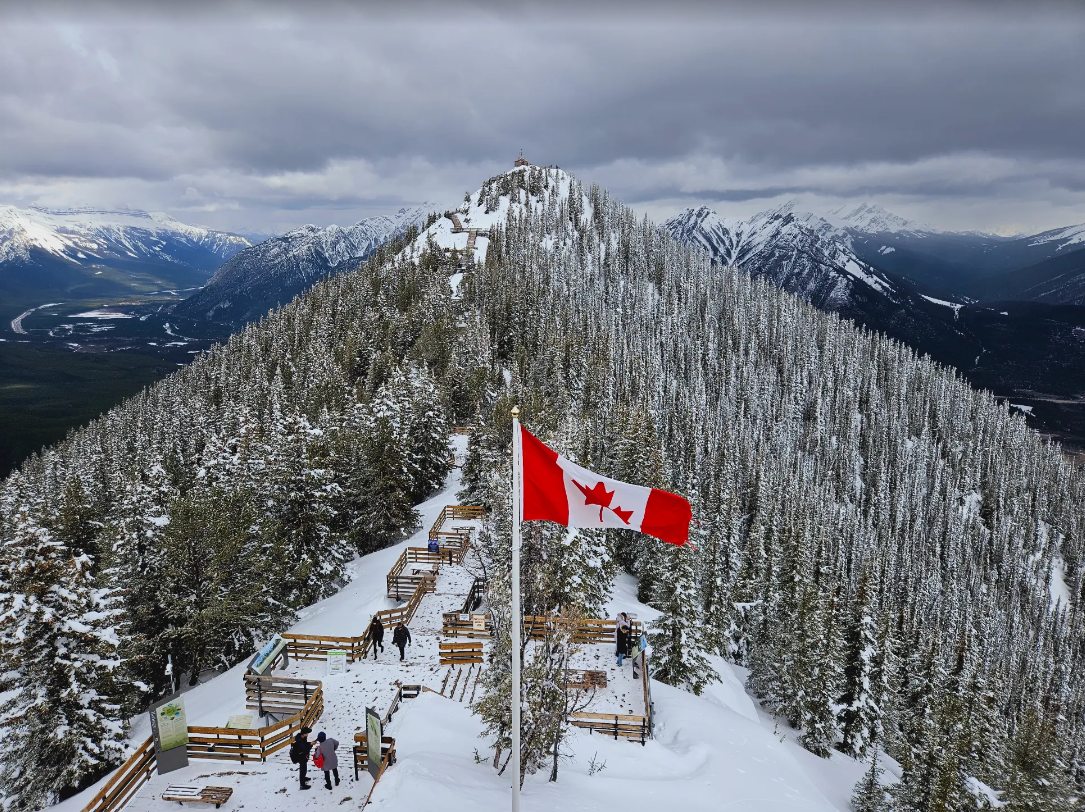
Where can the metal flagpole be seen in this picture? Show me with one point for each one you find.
(517, 623)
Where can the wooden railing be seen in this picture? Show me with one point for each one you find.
(460, 653)
(317, 646)
(459, 624)
(456, 538)
(285, 695)
(631, 727)
(302, 699)
(222, 743)
(361, 752)
(403, 579)
(475, 596)
(402, 582)
(281, 694)
(589, 631)
(388, 758)
(126, 781)
(646, 683)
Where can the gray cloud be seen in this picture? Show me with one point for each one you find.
(246, 119)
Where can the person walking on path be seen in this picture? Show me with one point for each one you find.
(376, 634)
(326, 748)
(402, 638)
(621, 636)
(299, 754)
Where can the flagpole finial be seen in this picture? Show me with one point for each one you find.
(515, 412)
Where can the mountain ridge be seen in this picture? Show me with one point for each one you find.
(273, 272)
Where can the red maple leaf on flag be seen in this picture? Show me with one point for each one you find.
(597, 494)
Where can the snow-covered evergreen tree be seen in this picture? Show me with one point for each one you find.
(677, 636)
(860, 715)
(59, 651)
(869, 794)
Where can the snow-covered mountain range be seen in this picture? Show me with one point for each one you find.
(797, 251)
(821, 258)
(277, 270)
(87, 236)
(873, 219)
(51, 252)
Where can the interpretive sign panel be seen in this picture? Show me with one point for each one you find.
(373, 732)
(267, 656)
(337, 662)
(169, 727)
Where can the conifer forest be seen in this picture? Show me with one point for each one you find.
(895, 558)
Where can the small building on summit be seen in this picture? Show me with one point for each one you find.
(521, 161)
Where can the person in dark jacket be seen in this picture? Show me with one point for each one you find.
(402, 638)
(327, 748)
(376, 634)
(300, 749)
(622, 633)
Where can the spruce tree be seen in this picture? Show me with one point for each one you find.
(869, 794)
(677, 636)
(860, 716)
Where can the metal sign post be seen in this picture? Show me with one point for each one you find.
(169, 729)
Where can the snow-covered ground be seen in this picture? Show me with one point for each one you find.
(718, 751)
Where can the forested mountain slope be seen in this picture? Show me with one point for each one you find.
(896, 558)
(194, 519)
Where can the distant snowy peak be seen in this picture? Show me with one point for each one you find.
(87, 236)
(1065, 237)
(338, 244)
(798, 251)
(871, 218)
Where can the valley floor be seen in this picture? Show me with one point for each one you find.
(717, 751)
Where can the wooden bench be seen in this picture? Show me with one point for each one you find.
(198, 795)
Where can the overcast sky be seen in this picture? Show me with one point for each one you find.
(262, 121)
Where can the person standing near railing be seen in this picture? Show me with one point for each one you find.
(376, 634)
(299, 754)
(622, 626)
(329, 760)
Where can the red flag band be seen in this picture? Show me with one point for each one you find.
(557, 490)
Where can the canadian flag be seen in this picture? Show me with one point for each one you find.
(557, 490)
